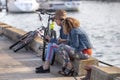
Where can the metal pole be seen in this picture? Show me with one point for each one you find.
(0, 5)
(106, 63)
(6, 5)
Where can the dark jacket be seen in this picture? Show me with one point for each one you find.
(62, 36)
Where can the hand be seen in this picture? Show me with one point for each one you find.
(47, 38)
(60, 40)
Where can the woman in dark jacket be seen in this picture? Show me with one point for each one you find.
(53, 44)
(79, 45)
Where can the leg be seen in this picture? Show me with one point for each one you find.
(52, 48)
(64, 50)
(49, 55)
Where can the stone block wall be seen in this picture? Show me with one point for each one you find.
(104, 73)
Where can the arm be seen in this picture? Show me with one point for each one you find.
(61, 40)
(74, 40)
(62, 37)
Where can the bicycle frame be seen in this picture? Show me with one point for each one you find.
(47, 30)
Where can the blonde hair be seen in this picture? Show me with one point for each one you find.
(60, 14)
(70, 23)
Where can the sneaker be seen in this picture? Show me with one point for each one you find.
(38, 68)
(41, 70)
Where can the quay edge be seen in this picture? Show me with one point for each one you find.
(98, 72)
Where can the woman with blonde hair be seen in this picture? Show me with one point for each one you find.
(79, 45)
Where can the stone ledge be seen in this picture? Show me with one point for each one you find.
(104, 73)
(13, 33)
(79, 65)
(2, 26)
(117, 78)
(1, 23)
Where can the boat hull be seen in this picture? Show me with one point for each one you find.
(65, 5)
(22, 6)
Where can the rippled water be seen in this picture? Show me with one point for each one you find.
(100, 20)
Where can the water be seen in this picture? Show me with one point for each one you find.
(100, 20)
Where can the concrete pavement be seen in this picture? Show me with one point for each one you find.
(21, 65)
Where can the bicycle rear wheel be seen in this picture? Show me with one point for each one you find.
(21, 38)
(14, 45)
(20, 47)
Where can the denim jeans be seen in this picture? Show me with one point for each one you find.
(50, 51)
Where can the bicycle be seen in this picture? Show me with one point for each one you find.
(31, 35)
(48, 31)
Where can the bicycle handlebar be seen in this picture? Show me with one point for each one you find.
(43, 11)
